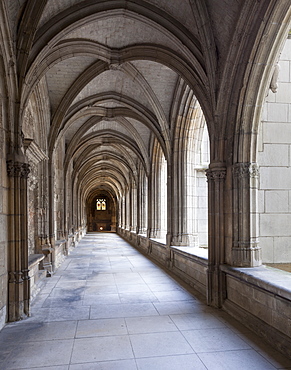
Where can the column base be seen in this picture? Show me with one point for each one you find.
(16, 306)
(248, 256)
(185, 240)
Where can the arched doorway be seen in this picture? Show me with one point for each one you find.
(101, 212)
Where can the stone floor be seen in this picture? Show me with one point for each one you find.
(108, 307)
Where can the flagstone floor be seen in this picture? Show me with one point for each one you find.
(108, 307)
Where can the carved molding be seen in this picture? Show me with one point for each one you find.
(246, 255)
(241, 169)
(34, 153)
(245, 169)
(254, 170)
(275, 77)
(15, 277)
(115, 66)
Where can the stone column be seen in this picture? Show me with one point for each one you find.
(133, 208)
(152, 207)
(178, 219)
(184, 221)
(138, 205)
(37, 194)
(123, 214)
(127, 210)
(18, 278)
(120, 213)
(49, 260)
(169, 206)
(144, 206)
(245, 251)
(141, 203)
(216, 175)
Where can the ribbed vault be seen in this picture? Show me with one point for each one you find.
(111, 93)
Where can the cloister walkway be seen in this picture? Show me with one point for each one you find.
(109, 307)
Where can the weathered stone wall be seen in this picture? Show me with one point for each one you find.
(3, 222)
(59, 191)
(274, 149)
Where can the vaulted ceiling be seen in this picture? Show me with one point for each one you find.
(114, 73)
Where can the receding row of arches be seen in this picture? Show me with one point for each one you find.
(149, 120)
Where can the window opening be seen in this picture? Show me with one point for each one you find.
(101, 204)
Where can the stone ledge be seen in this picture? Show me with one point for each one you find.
(195, 253)
(158, 241)
(269, 279)
(60, 242)
(34, 259)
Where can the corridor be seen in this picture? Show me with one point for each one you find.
(109, 307)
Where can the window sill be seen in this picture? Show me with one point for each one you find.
(275, 281)
(201, 253)
(159, 241)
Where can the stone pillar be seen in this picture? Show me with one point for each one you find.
(49, 260)
(216, 175)
(142, 203)
(37, 195)
(144, 206)
(123, 214)
(120, 213)
(150, 196)
(169, 205)
(133, 208)
(127, 210)
(138, 205)
(153, 198)
(18, 278)
(184, 232)
(245, 251)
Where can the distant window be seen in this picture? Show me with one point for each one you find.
(101, 204)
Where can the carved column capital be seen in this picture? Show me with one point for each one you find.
(17, 169)
(14, 168)
(25, 170)
(216, 174)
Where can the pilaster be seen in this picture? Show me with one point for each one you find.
(246, 251)
(216, 175)
(18, 278)
(185, 239)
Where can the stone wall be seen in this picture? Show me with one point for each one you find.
(181, 261)
(3, 226)
(201, 208)
(189, 267)
(274, 160)
(260, 299)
